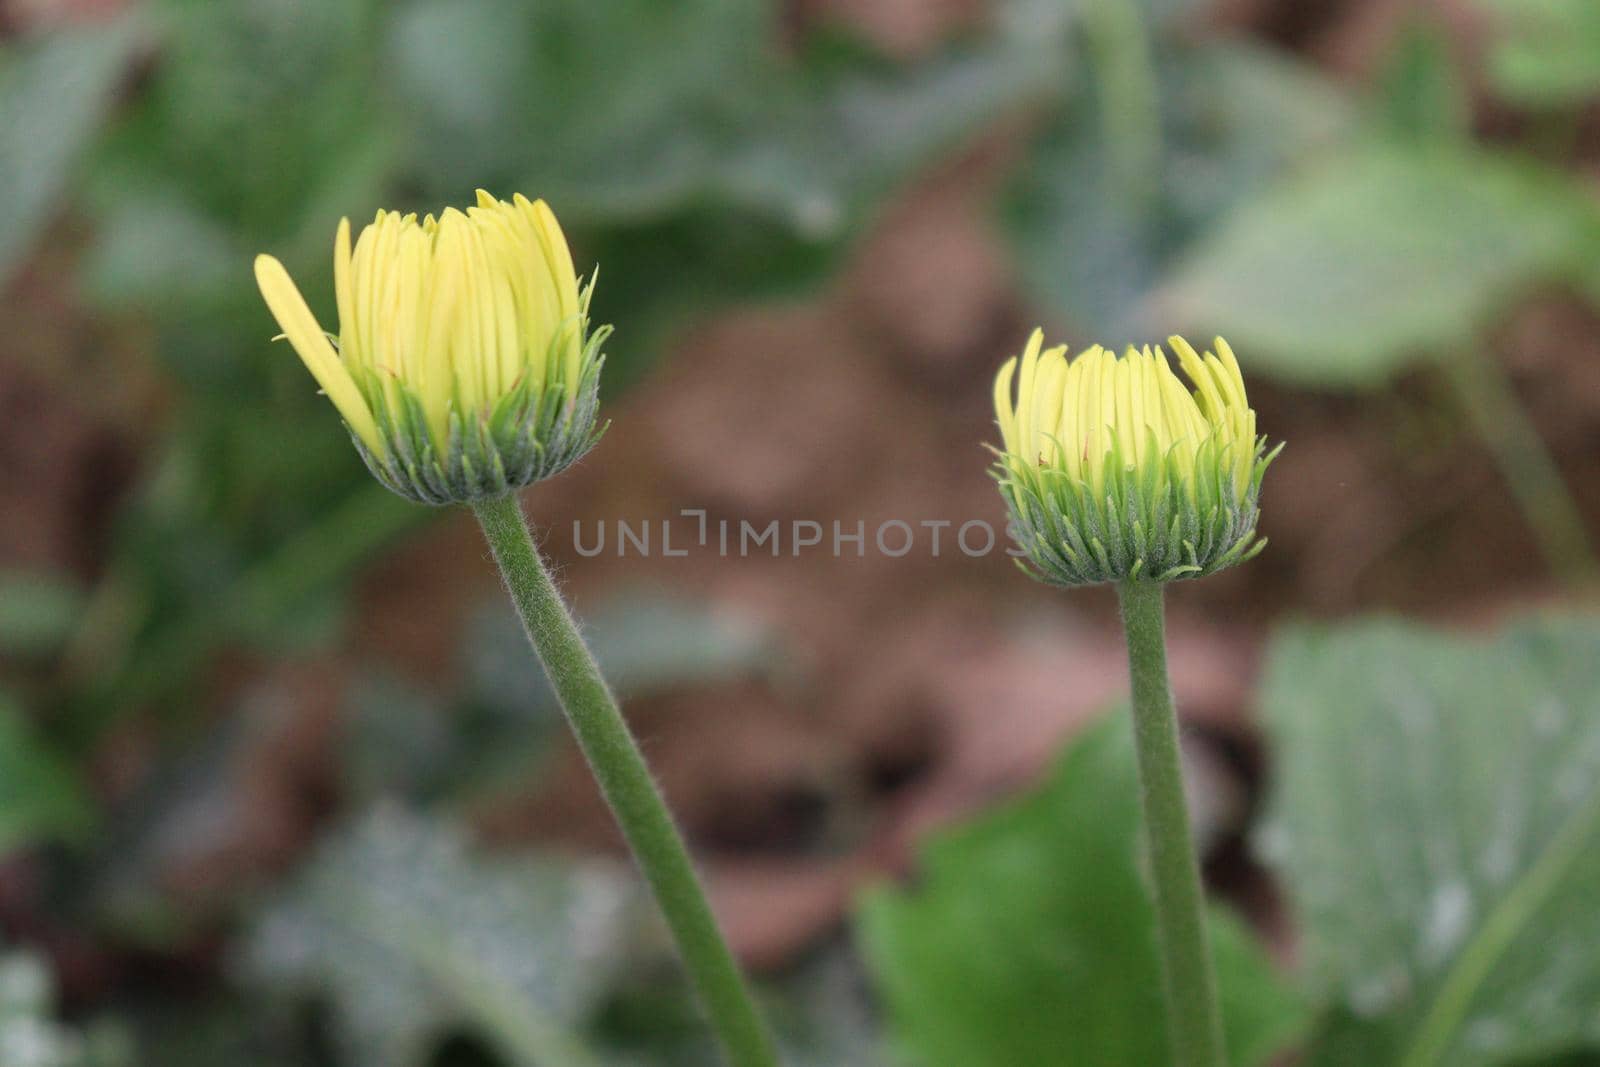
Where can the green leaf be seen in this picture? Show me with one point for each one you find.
(1437, 818)
(632, 112)
(55, 92)
(157, 251)
(37, 612)
(1051, 21)
(848, 135)
(565, 95)
(1364, 265)
(761, 201)
(254, 131)
(1091, 245)
(1546, 52)
(40, 797)
(253, 102)
(696, 168)
(412, 934)
(1029, 937)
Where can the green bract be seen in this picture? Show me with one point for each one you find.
(528, 435)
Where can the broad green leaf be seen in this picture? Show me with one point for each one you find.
(1029, 937)
(55, 92)
(412, 935)
(1437, 818)
(40, 797)
(1363, 265)
(1545, 53)
(1092, 244)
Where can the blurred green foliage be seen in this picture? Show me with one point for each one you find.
(1364, 266)
(1168, 181)
(1098, 223)
(1333, 246)
(450, 750)
(699, 165)
(1029, 936)
(1437, 818)
(412, 935)
(489, 735)
(29, 1035)
(55, 92)
(37, 613)
(1547, 52)
(1197, 188)
(705, 154)
(41, 797)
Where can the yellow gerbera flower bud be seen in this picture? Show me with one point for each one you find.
(464, 366)
(1114, 470)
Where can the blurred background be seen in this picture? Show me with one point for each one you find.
(279, 781)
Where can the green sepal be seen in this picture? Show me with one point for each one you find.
(1151, 519)
(535, 431)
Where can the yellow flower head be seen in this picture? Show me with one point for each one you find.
(1114, 470)
(464, 364)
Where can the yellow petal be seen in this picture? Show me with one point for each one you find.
(349, 340)
(559, 255)
(565, 278)
(300, 327)
(1002, 405)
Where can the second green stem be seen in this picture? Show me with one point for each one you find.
(1193, 1020)
(625, 780)
(1536, 483)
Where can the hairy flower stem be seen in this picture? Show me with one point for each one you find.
(1193, 1022)
(625, 780)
